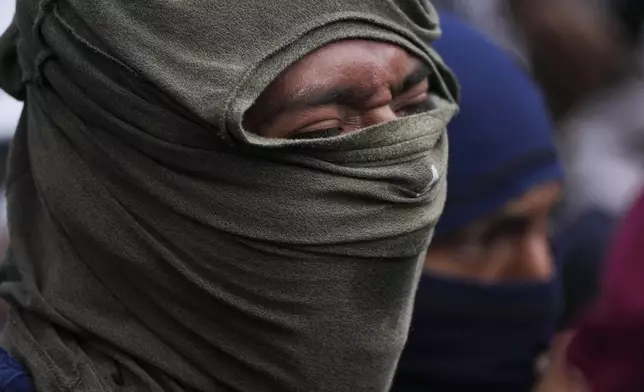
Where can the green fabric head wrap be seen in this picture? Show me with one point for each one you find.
(157, 245)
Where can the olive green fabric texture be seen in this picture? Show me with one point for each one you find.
(156, 245)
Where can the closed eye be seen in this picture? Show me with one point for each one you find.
(409, 110)
(417, 108)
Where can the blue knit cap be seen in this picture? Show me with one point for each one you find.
(502, 141)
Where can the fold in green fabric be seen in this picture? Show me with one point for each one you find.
(156, 245)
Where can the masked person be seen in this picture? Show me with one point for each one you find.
(487, 302)
(220, 196)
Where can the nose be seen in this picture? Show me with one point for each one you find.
(534, 258)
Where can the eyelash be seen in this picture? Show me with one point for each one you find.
(337, 131)
(417, 108)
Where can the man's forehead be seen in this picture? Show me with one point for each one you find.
(344, 61)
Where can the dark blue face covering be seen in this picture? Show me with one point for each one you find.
(467, 336)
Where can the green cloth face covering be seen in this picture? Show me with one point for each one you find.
(158, 246)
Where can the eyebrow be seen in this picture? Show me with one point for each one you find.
(506, 214)
(346, 96)
(414, 78)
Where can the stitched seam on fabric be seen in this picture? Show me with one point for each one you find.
(45, 359)
(70, 30)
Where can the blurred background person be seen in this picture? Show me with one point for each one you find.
(490, 17)
(571, 46)
(601, 139)
(488, 300)
(587, 57)
(605, 352)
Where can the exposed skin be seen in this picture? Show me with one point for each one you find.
(509, 246)
(339, 88)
